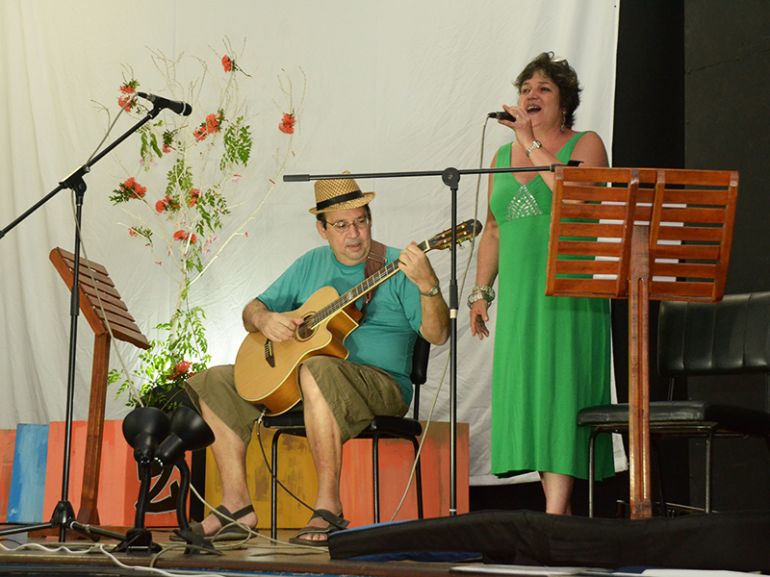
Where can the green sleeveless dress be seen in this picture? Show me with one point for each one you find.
(551, 354)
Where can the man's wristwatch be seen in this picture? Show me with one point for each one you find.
(431, 292)
(534, 146)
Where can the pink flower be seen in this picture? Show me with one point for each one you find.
(132, 231)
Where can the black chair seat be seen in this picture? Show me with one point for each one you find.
(670, 414)
(293, 423)
(395, 426)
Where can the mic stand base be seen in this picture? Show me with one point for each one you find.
(199, 543)
(63, 518)
(137, 540)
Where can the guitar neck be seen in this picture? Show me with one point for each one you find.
(359, 290)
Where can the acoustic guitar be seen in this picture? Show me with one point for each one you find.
(266, 372)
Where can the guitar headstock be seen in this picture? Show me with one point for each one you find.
(465, 231)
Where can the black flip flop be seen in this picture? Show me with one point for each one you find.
(230, 531)
(336, 523)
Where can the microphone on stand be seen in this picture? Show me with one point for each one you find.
(174, 105)
(501, 116)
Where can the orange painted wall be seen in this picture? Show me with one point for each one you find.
(7, 444)
(118, 482)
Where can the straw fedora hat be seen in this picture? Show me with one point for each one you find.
(339, 195)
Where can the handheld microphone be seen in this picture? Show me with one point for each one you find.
(174, 105)
(501, 116)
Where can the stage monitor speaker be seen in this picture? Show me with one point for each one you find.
(727, 541)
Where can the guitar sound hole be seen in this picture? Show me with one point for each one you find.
(304, 331)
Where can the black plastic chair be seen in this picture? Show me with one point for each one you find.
(730, 337)
(293, 423)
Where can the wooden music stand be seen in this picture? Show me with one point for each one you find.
(641, 234)
(95, 286)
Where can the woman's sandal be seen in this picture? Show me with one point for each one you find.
(230, 531)
(335, 523)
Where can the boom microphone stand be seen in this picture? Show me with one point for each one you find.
(64, 516)
(451, 178)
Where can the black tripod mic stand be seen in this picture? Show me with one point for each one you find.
(63, 516)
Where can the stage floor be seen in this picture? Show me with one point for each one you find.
(724, 541)
(258, 556)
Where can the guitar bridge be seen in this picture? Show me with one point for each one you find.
(269, 355)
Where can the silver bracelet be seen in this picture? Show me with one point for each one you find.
(485, 292)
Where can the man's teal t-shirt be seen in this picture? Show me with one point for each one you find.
(388, 331)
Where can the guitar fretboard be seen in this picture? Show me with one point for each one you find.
(357, 291)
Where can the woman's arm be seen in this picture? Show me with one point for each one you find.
(486, 266)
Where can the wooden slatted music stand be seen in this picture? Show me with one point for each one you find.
(97, 293)
(641, 234)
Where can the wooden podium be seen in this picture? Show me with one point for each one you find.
(641, 234)
(99, 301)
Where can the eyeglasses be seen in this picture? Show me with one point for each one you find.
(343, 226)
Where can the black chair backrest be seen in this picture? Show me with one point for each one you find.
(420, 356)
(730, 336)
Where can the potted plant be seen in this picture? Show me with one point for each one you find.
(179, 198)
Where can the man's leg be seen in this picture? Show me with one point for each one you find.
(323, 435)
(230, 454)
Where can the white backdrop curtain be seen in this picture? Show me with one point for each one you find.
(391, 86)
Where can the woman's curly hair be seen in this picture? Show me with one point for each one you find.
(563, 75)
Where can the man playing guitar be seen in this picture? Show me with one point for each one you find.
(340, 396)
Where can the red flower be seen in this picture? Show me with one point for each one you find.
(227, 63)
(182, 368)
(127, 90)
(200, 133)
(166, 148)
(184, 235)
(132, 231)
(129, 87)
(193, 197)
(287, 123)
(166, 203)
(126, 102)
(212, 123)
(133, 189)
